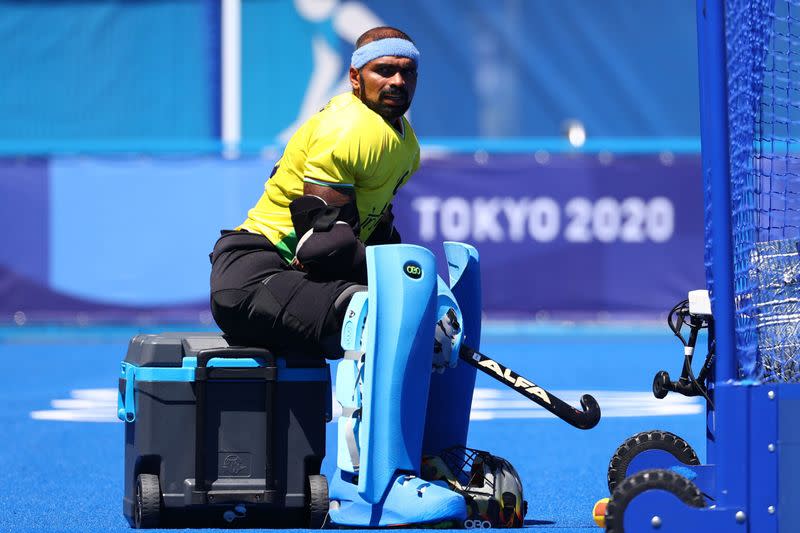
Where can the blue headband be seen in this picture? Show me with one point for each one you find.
(391, 46)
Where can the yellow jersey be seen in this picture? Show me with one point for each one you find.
(346, 145)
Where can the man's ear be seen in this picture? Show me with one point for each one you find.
(355, 81)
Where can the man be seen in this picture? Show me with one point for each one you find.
(283, 278)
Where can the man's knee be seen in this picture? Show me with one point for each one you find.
(332, 330)
(340, 305)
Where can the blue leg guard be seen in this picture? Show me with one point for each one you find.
(450, 400)
(383, 386)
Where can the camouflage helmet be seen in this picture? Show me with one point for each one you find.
(490, 485)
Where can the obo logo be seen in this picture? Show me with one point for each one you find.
(477, 524)
(412, 270)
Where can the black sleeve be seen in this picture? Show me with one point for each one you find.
(382, 238)
(384, 232)
(310, 211)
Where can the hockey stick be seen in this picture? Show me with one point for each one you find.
(581, 419)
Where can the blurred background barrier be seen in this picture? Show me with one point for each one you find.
(560, 138)
(569, 236)
(103, 75)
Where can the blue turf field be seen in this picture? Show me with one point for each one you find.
(62, 450)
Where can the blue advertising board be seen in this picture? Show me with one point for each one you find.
(569, 234)
(558, 235)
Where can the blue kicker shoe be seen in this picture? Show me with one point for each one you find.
(409, 501)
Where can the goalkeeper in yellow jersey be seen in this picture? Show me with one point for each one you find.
(284, 277)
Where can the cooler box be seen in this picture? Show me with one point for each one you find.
(215, 432)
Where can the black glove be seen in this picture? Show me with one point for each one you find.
(334, 254)
(328, 248)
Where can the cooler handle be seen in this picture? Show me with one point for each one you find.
(234, 352)
(126, 407)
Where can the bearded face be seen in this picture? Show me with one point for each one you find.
(386, 85)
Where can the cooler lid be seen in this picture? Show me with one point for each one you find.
(169, 349)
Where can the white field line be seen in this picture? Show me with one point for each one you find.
(100, 405)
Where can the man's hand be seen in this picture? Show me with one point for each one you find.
(444, 338)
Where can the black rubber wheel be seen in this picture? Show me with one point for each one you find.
(647, 440)
(667, 480)
(147, 509)
(660, 383)
(318, 503)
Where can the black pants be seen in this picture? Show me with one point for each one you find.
(258, 299)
